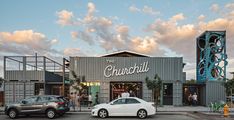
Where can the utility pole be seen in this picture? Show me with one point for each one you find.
(65, 66)
(63, 88)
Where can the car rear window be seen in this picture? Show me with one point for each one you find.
(132, 101)
(48, 98)
(61, 99)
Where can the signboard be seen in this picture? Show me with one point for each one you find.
(112, 70)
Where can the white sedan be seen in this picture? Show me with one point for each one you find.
(129, 106)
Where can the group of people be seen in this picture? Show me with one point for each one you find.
(192, 99)
(75, 99)
(127, 94)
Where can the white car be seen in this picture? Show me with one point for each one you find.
(129, 106)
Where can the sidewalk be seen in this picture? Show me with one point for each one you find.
(165, 108)
(169, 108)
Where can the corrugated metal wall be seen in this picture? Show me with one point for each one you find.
(15, 91)
(29, 75)
(215, 92)
(19, 84)
(168, 68)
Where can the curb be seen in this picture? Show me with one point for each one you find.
(187, 113)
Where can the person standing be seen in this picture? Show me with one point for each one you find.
(195, 99)
(190, 99)
(89, 100)
(132, 94)
(96, 98)
(125, 94)
(78, 100)
(72, 101)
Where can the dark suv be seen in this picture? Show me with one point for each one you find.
(50, 105)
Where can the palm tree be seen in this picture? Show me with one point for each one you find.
(154, 85)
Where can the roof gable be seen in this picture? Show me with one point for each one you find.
(125, 54)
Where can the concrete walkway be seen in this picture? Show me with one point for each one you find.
(165, 108)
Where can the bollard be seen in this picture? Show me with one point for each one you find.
(226, 111)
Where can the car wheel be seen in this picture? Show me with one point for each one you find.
(102, 113)
(12, 113)
(50, 113)
(142, 114)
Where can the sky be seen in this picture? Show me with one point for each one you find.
(159, 28)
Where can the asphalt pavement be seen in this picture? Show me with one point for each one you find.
(85, 116)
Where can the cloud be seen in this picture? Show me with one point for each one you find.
(230, 6)
(177, 17)
(73, 52)
(150, 10)
(91, 10)
(65, 18)
(201, 17)
(85, 36)
(143, 45)
(146, 10)
(214, 7)
(26, 42)
(74, 35)
(54, 41)
(133, 8)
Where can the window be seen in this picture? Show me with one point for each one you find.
(48, 98)
(120, 101)
(132, 101)
(30, 100)
(39, 87)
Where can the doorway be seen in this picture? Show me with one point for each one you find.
(199, 89)
(167, 94)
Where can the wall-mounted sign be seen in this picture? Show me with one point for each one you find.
(112, 70)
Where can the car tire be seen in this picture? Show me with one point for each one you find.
(102, 113)
(142, 114)
(50, 113)
(12, 113)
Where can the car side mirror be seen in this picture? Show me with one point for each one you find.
(111, 103)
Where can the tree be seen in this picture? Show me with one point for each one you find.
(1, 81)
(229, 85)
(191, 81)
(154, 85)
(76, 83)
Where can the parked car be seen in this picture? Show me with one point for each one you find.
(129, 106)
(50, 105)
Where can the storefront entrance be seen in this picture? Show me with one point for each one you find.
(167, 94)
(133, 88)
(192, 89)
